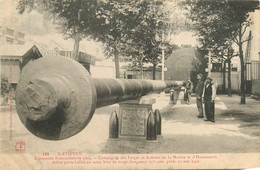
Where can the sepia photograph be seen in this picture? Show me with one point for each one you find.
(129, 84)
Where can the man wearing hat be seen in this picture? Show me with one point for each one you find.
(198, 92)
(209, 94)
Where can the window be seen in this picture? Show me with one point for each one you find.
(233, 68)
(20, 35)
(9, 31)
(216, 67)
(20, 42)
(9, 40)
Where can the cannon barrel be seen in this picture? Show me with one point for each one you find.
(56, 97)
(110, 91)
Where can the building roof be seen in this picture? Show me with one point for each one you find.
(61, 45)
(17, 51)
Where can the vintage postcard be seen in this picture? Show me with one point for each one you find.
(116, 84)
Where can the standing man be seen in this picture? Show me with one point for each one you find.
(209, 94)
(198, 92)
(189, 87)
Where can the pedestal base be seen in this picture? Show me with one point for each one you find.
(134, 120)
(133, 116)
(127, 145)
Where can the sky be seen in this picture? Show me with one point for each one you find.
(185, 37)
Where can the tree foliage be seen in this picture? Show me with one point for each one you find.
(5, 89)
(219, 24)
(65, 14)
(76, 19)
(207, 18)
(140, 23)
(5, 85)
(125, 27)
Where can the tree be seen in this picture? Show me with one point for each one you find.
(141, 45)
(150, 19)
(130, 27)
(76, 19)
(219, 23)
(94, 19)
(230, 56)
(214, 35)
(238, 11)
(113, 34)
(125, 27)
(113, 22)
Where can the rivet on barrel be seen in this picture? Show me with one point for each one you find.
(113, 125)
(151, 127)
(158, 122)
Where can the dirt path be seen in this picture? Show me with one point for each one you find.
(236, 129)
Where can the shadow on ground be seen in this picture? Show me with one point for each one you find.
(240, 115)
(249, 123)
(182, 143)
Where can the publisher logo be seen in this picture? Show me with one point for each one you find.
(20, 146)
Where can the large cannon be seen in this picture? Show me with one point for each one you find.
(56, 97)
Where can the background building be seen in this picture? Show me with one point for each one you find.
(10, 33)
(33, 28)
(11, 36)
(52, 48)
(181, 64)
(14, 58)
(252, 56)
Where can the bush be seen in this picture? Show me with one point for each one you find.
(5, 87)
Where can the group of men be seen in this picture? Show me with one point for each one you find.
(205, 92)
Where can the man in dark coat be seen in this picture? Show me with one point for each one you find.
(209, 94)
(198, 92)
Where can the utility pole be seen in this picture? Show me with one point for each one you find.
(77, 39)
(162, 55)
(247, 63)
(162, 44)
(209, 65)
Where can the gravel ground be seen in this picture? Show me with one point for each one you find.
(236, 130)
